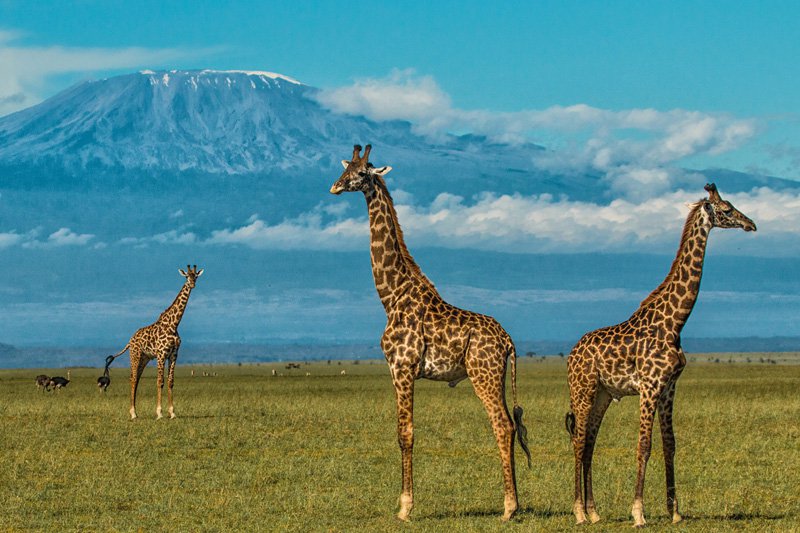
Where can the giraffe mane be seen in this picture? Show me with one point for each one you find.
(404, 253)
(687, 229)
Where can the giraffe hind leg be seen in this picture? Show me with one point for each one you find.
(581, 400)
(160, 386)
(491, 391)
(601, 403)
(137, 368)
(170, 381)
(665, 404)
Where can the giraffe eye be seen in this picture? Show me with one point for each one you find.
(363, 174)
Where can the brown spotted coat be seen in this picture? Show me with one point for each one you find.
(160, 341)
(425, 337)
(642, 356)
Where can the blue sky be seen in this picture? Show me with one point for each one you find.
(719, 58)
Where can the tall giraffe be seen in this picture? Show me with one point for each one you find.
(425, 337)
(160, 341)
(642, 356)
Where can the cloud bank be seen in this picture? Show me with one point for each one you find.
(633, 148)
(519, 224)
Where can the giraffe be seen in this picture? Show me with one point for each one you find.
(425, 337)
(160, 341)
(642, 356)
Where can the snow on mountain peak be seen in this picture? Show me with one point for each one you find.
(260, 73)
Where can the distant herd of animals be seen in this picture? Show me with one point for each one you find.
(426, 337)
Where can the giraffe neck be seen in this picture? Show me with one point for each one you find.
(172, 315)
(393, 268)
(674, 299)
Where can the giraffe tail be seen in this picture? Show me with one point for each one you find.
(522, 431)
(569, 422)
(110, 358)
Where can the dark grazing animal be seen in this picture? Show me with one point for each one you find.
(58, 382)
(103, 382)
(42, 381)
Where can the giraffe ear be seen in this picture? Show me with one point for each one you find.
(182, 273)
(200, 272)
(345, 163)
(382, 171)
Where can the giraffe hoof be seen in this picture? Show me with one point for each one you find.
(594, 517)
(676, 518)
(403, 517)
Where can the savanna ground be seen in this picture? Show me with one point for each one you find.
(253, 452)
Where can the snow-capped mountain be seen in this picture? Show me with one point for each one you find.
(213, 122)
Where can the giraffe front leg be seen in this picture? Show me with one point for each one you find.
(647, 406)
(137, 367)
(404, 392)
(170, 381)
(665, 404)
(160, 386)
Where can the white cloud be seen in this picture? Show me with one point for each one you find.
(10, 239)
(621, 144)
(539, 224)
(27, 68)
(307, 231)
(167, 237)
(401, 95)
(61, 237)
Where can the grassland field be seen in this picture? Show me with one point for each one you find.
(315, 450)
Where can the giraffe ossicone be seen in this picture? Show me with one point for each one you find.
(159, 341)
(642, 356)
(425, 337)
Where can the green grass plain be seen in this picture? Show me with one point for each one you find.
(253, 452)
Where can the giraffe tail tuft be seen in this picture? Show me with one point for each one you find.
(522, 432)
(569, 422)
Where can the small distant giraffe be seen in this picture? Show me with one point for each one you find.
(160, 341)
(425, 337)
(642, 356)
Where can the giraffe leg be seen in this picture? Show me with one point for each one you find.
(171, 381)
(665, 404)
(160, 385)
(582, 399)
(404, 393)
(581, 413)
(647, 406)
(491, 392)
(601, 402)
(137, 367)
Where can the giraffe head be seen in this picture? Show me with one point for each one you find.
(722, 214)
(191, 274)
(359, 174)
